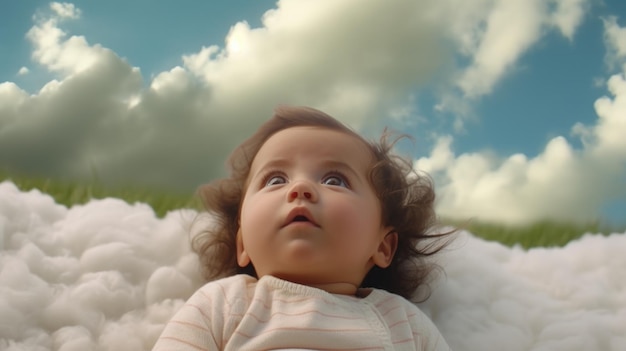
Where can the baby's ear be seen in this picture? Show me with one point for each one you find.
(386, 248)
(242, 256)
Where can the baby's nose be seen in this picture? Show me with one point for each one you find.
(302, 190)
(295, 194)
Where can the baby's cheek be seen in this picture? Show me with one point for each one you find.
(350, 217)
(252, 214)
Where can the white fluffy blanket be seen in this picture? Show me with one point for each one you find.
(108, 275)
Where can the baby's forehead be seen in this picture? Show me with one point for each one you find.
(315, 143)
(315, 140)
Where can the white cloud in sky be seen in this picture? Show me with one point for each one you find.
(54, 51)
(615, 41)
(510, 28)
(65, 10)
(357, 61)
(568, 15)
(108, 275)
(562, 182)
(349, 58)
(495, 34)
(23, 71)
(97, 116)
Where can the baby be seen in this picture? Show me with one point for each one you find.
(319, 242)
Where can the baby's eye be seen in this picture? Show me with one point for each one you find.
(275, 180)
(335, 180)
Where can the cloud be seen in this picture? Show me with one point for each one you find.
(510, 29)
(53, 51)
(23, 71)
(493, 35)
(496, 298)
(100, 275)
(108, 275)
(99, 116)
(615, 41)
(65, 10)
(562, 182)
(568, 16)
(100, 119)
(356, 64)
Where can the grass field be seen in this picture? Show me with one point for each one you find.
(70, 193)
(541, 234)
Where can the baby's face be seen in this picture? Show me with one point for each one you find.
(309, 214)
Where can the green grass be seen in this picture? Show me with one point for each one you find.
(541, 234)
(71, 193)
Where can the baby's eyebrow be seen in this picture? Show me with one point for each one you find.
(275, 163)
(283, 162)
(341, 166)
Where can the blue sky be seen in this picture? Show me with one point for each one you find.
(161, 96)
(150, 34)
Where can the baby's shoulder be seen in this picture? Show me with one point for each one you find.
(387, 302)
(395, 308)
(384, 297)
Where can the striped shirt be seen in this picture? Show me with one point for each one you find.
(243, 313)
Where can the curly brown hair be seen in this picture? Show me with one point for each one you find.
(406, 199)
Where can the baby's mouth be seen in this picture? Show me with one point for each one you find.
(300, 219)
(300, 215)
